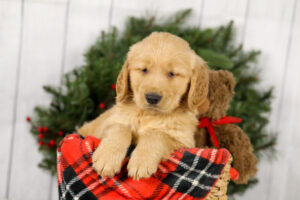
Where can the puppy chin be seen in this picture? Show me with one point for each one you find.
(168, 107)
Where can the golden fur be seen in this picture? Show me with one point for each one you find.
(160, 63)
(230, 136)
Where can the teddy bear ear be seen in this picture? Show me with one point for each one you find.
(228, 79)
(221, 91)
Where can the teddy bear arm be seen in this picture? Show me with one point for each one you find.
(201, 138)
(234, 139)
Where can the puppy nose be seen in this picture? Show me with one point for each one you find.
(153, 98)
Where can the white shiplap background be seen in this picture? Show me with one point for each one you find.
(42, 39)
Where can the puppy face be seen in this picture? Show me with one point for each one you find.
(160, 72)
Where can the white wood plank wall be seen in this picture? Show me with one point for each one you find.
(42, 39)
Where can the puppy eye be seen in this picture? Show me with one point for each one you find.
(171, 74)
(145, 70)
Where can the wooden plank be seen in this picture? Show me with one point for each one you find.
(268, 29)
(216, 13)
(285, 179)
(10, 26)
(54, 190)
(269, 32)
(40, 65)
(48, 1)
(123, 9)
(85, 22)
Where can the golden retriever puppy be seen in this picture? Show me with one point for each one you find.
(160, 89)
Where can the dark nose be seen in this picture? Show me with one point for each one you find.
(153, 98)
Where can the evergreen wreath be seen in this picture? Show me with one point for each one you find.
(89, 90)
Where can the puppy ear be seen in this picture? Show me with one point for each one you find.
(122, 86)
(197, 97)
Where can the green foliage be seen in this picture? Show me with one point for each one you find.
(215, 59)
(77, 100)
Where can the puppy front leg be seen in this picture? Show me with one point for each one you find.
(150, 150)
(108, 157)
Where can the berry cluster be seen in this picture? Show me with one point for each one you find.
(43, 135)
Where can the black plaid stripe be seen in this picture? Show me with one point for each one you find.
(72, 188)
(70, 177)
(159, 188)
(191, 169)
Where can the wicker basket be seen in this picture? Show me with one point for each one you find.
(218, 192)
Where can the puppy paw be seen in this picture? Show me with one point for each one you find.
(139, 167)
(107, 163)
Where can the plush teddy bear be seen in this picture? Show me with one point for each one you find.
(228, 135)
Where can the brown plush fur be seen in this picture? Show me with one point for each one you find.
(230, 136)
(157, 130)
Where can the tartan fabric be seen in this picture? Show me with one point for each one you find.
(187, 174)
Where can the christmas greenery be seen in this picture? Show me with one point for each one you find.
(89, 90)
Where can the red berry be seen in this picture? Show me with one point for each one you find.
(45, 129)
(113, 86)
(61, 133)
(40, 129)
(51, 143)
(28, 119)
(41, 136)
(101, 105)
(41, 143)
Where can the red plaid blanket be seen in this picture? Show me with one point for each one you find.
(187, 174)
